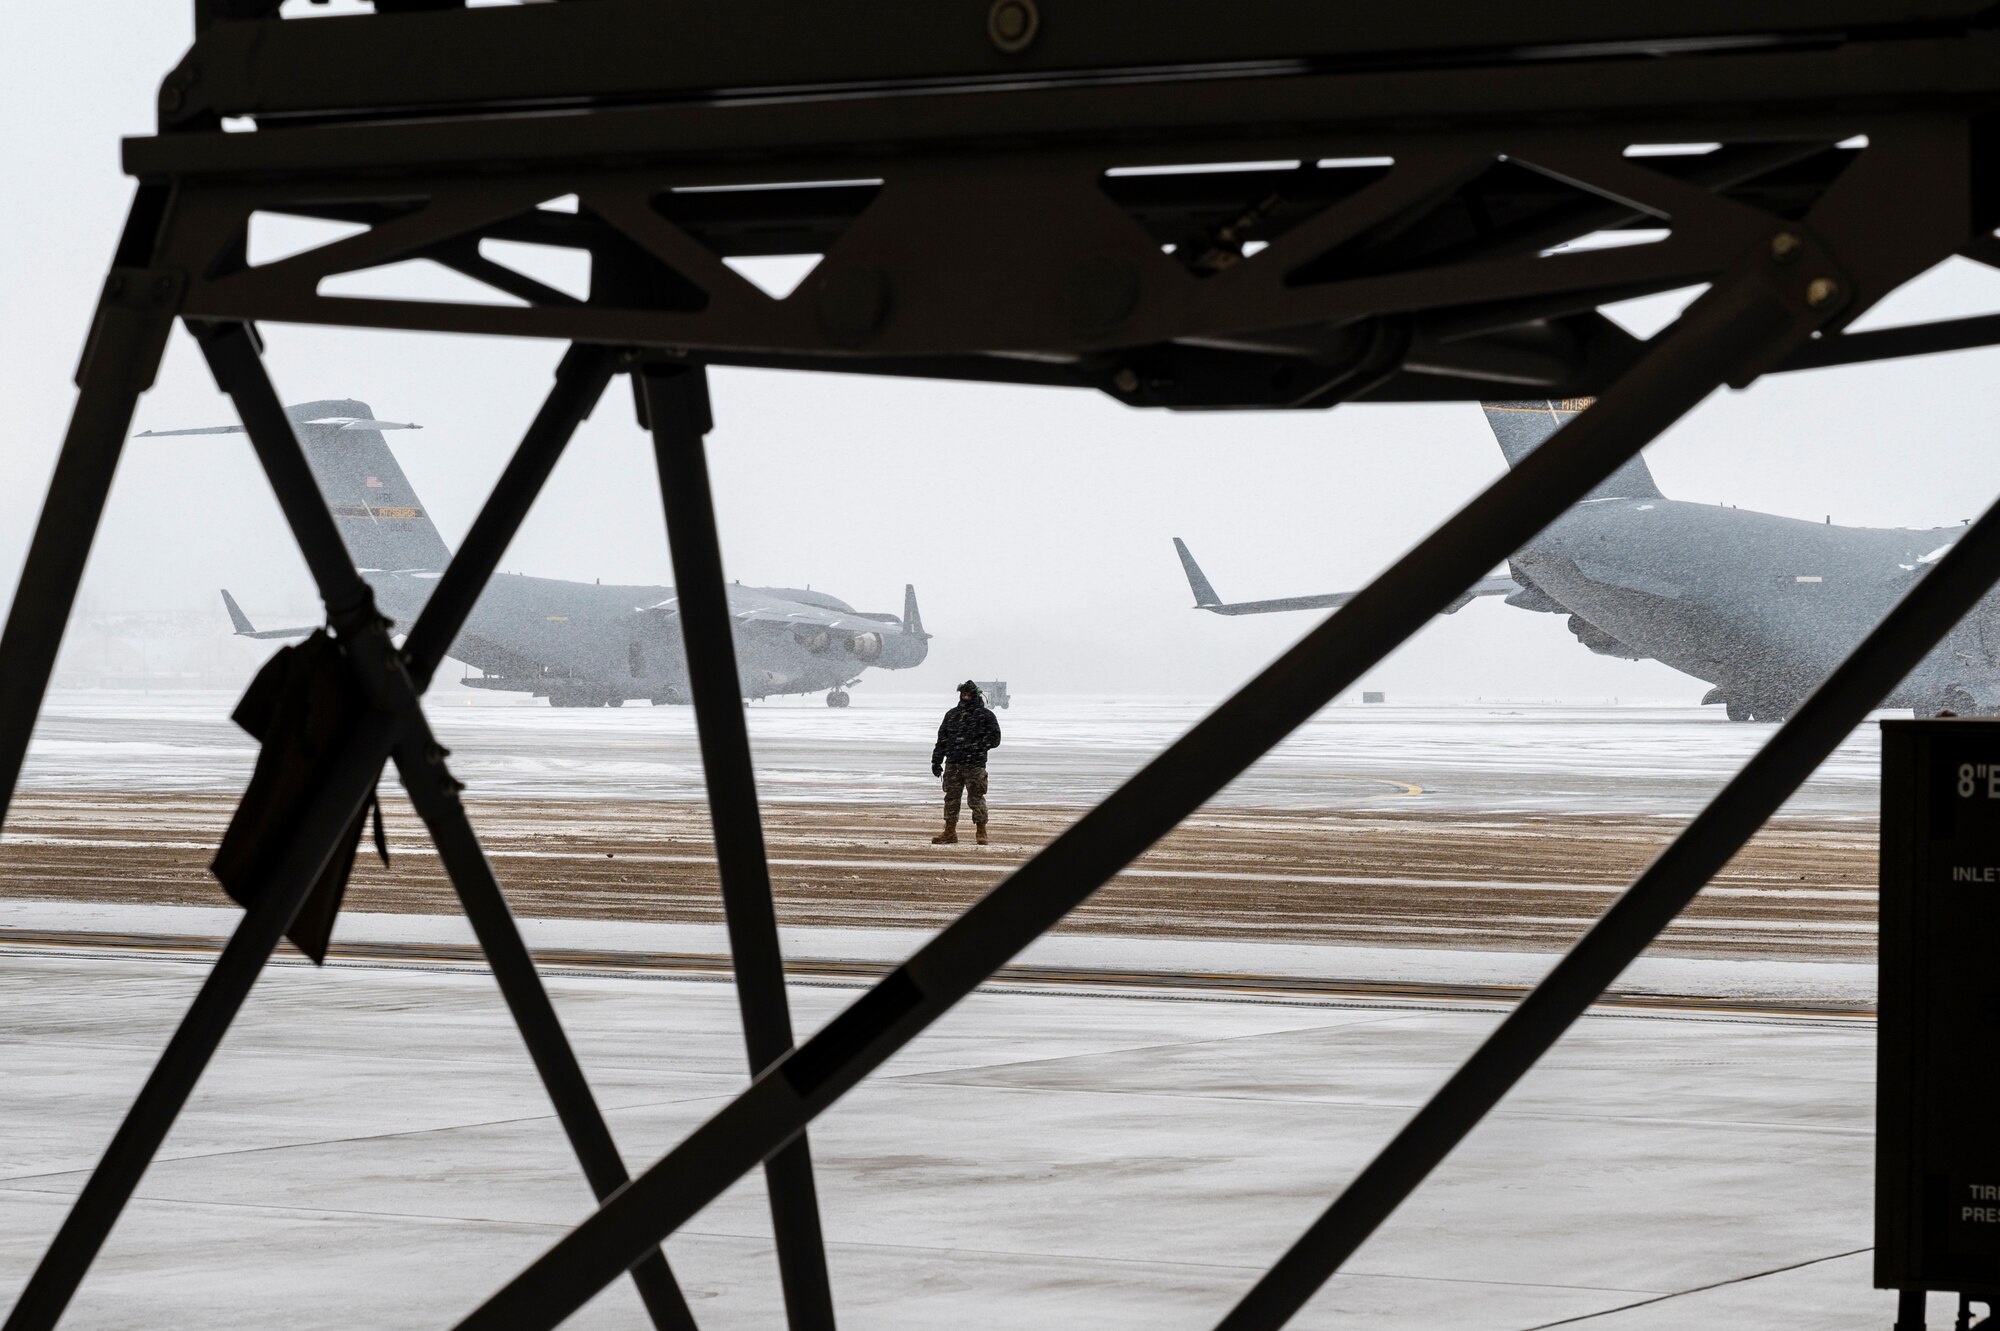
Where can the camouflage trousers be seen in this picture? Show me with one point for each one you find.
(972, 781)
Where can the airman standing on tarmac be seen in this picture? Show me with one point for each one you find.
(967, 732)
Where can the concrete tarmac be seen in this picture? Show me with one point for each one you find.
(371, 1149)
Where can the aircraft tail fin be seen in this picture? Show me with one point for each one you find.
(380, 519)
(913, 622)
(1522, 427)
(1204, 593)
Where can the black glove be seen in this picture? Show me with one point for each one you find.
(937, 769)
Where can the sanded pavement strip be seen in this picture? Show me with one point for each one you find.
(995, 865)
(1803, 889)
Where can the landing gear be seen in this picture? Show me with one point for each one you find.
(837, 698)
(1957, 702)
(670, 697)
(580, 698)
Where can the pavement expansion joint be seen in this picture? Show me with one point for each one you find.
(1701, 1289)
(715, 967)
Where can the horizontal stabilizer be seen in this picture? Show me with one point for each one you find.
(200, 429)
(330, 422)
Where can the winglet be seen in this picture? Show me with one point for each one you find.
(912, 621)
(1204, 593)
(241, 622)
(237, 619)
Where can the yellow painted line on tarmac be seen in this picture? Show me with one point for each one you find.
(1403, 788)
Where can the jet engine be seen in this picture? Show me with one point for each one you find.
(814, 640)
(866, 646)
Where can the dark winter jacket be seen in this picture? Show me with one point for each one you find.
(968, 731)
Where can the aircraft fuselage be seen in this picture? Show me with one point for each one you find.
(578, 642)
(1762, 606)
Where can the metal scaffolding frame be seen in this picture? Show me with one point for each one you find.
(1421, 206)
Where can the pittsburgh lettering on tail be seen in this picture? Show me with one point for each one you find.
(1761, 607)
(578, 644)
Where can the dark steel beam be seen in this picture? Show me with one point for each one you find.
(1740, 325)
(463, 256)
(1917, 624)
(1772, 94)
(1926, 339)
(127, 337)
(675, 400)
(1036, 290)
(580, 380)
(434, 792)
(620, 51)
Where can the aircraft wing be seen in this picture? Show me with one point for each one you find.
(790, 616)
(1205, 597)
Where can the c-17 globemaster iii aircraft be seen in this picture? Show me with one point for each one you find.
(1760, 606)
(577, 644)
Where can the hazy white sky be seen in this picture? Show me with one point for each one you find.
(1035, 524)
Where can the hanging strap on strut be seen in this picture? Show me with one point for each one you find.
(300, 705)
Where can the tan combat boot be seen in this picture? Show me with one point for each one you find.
(948, 837)
(979, 833)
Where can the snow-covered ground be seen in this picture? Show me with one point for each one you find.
(1530, 758)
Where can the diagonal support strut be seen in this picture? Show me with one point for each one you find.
(675, 401)
(128, 336)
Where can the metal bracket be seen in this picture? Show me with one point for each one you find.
(134, 315)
